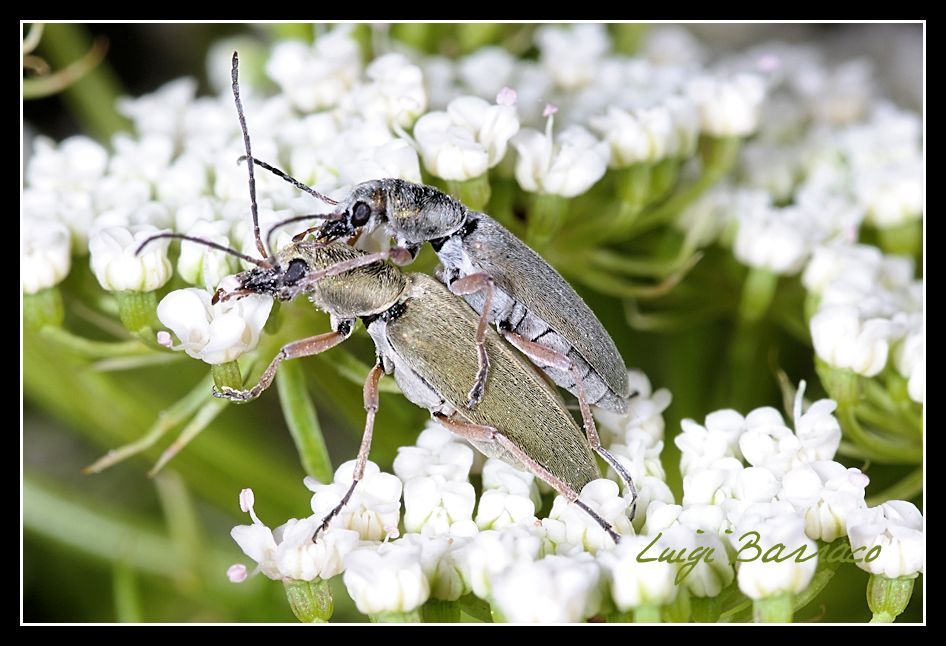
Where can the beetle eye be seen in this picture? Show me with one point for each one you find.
(360, 214)
(295, 271)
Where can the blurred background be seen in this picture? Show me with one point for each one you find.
(120, 546)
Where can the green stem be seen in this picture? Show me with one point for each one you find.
(137, 311)
(647, 614)
(126, 595)
(93, 97)
(183, 526)
(311, 601)
(706, 610)
(719, 157)
(474, 193)
(303, 423)
(207, 414)
(412, 617)
(886, 422)
(903, 239)
(44, 309)
(662, 178)
(878, 449)
(92, 349)
(777, 609)
(227, 375)
(757, 294)
(545, 218)
(634, 192)
(907, 489)
(436, 611)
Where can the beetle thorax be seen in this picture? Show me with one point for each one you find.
(418, 213)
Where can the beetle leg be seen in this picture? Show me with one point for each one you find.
(371, 408)
(295, 350)
(480, 433)
(470, 285)
(543, 356)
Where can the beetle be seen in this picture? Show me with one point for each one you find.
(417, 326)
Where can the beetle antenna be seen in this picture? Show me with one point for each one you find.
(292, 180)
(235, 75)
(298, 218)
(207, 243)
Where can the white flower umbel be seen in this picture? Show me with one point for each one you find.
(556, 589)
(843, 339)
(374, 507)
(161, 112)
(117, 267)
(433, 506)
(894, 531)
(394, 92)
(705, 567)
(644, 412)
(634, 580)
(768, 442)
(75, 164)
(566, 165)
(701, 446)
(317, 76)
(782, 534)
(571, 56)
(729, 107)
(568, 525)
(216, 333)
(438, 452)
(437, 558)
(395, 158)
(487, 70)
(498, 509)
(826, 493)
(201, 265)
(288, 551)
(641, 135)
(502, 476)
(776, 239)
(910, 359)
(817, 428)
(466, 140)
(386, 578)
(493, 551)
(891, 195)
(46, 255)
(832, 261)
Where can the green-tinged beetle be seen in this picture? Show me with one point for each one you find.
(418, 328)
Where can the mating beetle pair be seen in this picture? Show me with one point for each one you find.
(482, 390)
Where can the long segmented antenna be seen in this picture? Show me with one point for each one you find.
(298, 218)
(235, 76)
(213, 245)
(292, 180)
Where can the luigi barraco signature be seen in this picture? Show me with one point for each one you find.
(750, 550)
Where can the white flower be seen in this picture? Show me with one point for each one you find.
(567, 165)
(817, 429)
(438, 561)
(891, 195)
(493, 551)
(771, 167)
(910, 359)
(386, 578)
(556, 589)
(650, 489)
(701, 446)
(894, 531)
(571, 55)
(498, 509)
(395, 93)
(185, 181)
(374, 507)
(117, 267)
(46, 255)
(830, 262)
(199, 264)
(75, 164)
(686, 125)
(569, 525)
(642, 135)
(432, 505)
(776, 239)
(644, 411)
(826, 493)
(289, 550)
(634, 580)
(707, 570)
(729, 107)
(768, 443)
(487, 70)
(396, 158)
(673, 45)
(318, 76)
(145, 159)
(438, 453)
(161, 112)
(758, 577)
(843, 340)
(466, 140)
(502, 476)
(214, 333)
(836, 96)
